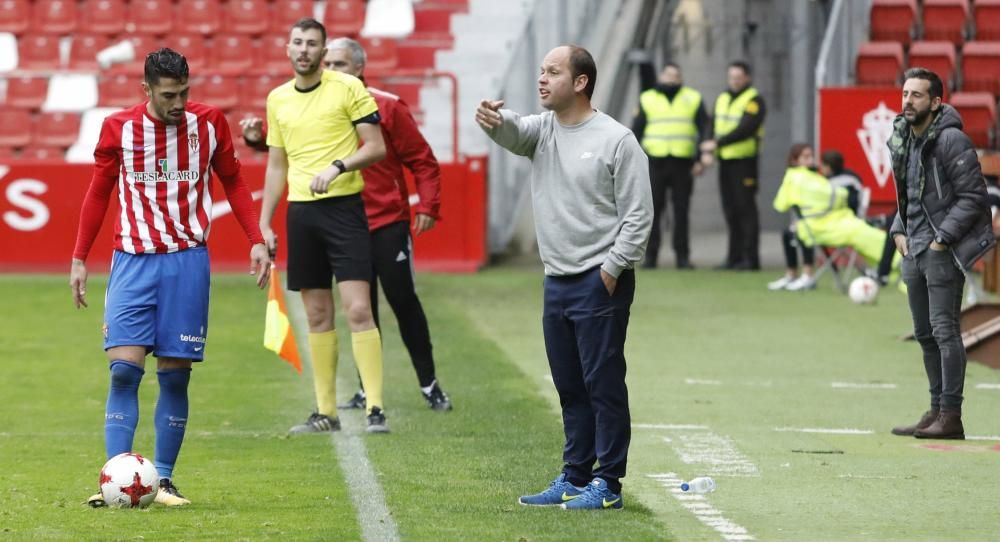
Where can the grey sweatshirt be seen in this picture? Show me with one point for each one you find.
(589, 188)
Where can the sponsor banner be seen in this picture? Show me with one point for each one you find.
(858, 123)
(40, 210)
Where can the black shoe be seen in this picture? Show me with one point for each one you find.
(355, 402)
(317, 423)
(746, 266)
(684, 263)
(725, 266)
(376, 421)
(437, 398)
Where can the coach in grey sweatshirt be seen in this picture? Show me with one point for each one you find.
(593, 213)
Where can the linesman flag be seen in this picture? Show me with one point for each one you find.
(278, 335)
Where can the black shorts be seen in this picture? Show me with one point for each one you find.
(328, 238)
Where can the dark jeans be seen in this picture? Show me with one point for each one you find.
(790, 242)
(738, 185)
(934, 286)
(666, 175)
(585, 331)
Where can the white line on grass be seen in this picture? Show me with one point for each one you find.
(697, 381)
(822, 430)
(862, 385)
(376, 522)
(702, 509)
(987, 386)
(669, 426)
(983, 437)
(716, 454)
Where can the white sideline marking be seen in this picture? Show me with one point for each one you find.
(822, 430)
(699, 506)
(983, 437)
(376, 522)
(987, 386)
(696, 381)
(716, 454)
(669, 426)
(549, 378)
(867, 477)
(862, 385)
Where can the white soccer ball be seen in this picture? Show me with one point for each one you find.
(129, 481)
(863, 290)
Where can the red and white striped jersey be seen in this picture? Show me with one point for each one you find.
(163, 173)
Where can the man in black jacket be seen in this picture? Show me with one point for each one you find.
(943, 226)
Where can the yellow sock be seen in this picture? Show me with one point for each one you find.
(368, 356)
(323, 347)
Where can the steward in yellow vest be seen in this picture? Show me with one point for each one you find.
(738, 127)
(669, 123)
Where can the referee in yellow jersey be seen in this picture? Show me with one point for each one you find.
(315, 122)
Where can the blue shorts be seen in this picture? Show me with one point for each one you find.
(159, 301)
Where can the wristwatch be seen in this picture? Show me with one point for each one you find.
(340, 165)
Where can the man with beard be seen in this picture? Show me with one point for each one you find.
(316, 121)
(942, 228)
(593, 210)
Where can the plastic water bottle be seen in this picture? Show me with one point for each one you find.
(702, 484)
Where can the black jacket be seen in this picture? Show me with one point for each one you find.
(952, 188)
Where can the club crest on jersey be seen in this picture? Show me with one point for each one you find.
(193, 142)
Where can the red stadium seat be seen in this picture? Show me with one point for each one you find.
(879, 63)
(26, 92)
(198, 16)
(103, 16)
(15, 127)
(56, 129)
(15, 16)
(344, 17)
(83, 51)
(381, 53)
(892, 20)
(979, 116)
(38, 52)
(981, 66)
(431, 21)
(946, 20)
(216, 90)
(37, 152)
(987, 18)
(937, 56)
(54, 16)
(120, 90)
(271, 55)
(284, 13)
(408, 92)
(232, 54)
(246, 16)
(421, 53)
(150, 17)
(254, 91)
(192, 46)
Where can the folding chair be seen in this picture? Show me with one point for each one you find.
(840, 261)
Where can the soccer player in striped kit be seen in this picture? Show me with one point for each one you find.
(160, 155)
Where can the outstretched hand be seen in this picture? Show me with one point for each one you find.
(488, 114)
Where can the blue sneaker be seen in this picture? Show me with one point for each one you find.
(596, 496)
(559, 491)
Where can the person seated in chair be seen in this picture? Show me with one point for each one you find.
(823, 216)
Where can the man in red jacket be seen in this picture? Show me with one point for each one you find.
(387, 204)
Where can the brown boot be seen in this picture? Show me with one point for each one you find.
(925, 421)
(948, 425)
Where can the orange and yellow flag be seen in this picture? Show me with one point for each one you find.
(278, 335)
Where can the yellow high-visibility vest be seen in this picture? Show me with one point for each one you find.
(728, 113)
(670, 127)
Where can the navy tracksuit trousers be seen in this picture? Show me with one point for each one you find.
(584, 331)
